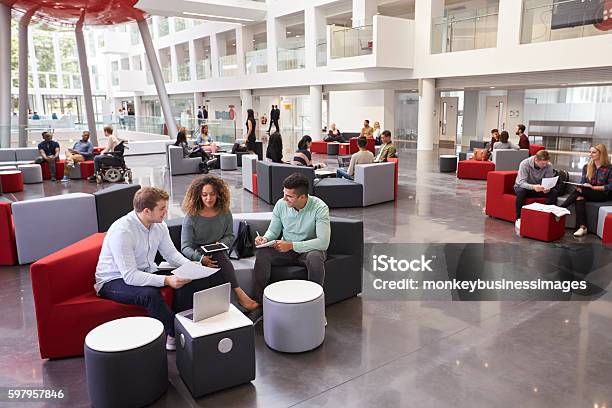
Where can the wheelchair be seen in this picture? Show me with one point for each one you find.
(114, 169)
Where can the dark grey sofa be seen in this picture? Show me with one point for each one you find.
(343, 267)
(113, 203)
(339, 192)
(270, 178)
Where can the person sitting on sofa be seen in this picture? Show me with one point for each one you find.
(81, 151)
(333, 134)
(523, 139)
(208, 220)
(528, 181)
(363, 156)
(301, 227)
(302, 156)
(494, 139)
(377, 132)
(504, 143)
(49, 151)
(387, 150)
(205, 141)
(596, 186)
(196, 151)
(126, 270)
(367, 131)
(274, 151)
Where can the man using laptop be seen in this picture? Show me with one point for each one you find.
(126, 271)
(300, 224)
(363, 156)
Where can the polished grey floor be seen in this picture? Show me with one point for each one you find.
(524, 353)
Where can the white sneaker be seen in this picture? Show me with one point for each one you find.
(170, 343)
(581, 232)
(517, 224)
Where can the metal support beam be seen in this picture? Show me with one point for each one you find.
(85, 80)
(5, 75)
(157, 78)
(24, 22)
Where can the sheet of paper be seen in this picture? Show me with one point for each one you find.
(550, 182)
(193, 270)
(165, 266)
(267, 244)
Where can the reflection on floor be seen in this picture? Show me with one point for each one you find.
(379, 353)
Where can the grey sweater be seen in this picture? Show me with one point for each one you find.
(529, 175)
(199, 231)
(501, 146)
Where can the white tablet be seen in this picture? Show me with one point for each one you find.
(214, 247)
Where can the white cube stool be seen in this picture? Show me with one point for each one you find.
(229, 161)
(126, 362)
(294, 315)
(32, 173)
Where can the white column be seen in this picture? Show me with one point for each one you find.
(364, 11)
(425, 11)
(316, 111)
(173, 63)
(246, 97)
(24, 22)
(275, 33)
(426, 122)
(137, 111)
(388, 120)
(5, 76)
(217, 50)
(192, 61)
(85, 81)
(244, 44)
(315, 29)
(470, 117)
(509, 35)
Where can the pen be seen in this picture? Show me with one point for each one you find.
(257, 232)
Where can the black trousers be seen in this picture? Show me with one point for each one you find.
(587, 194)
(314, 261)
(523, 193)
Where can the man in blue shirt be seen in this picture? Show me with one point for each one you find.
(81, 151)
(49, 152)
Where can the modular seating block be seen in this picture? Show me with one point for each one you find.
(67, 307)
(87, 168)
(113, 203)
(377, 180)
(339, 192)
(270, 178)
(344, 149)
(8, 250)
(59, 170)
(500, 196)
(534, 148)
(542, 226)
(11, 181)
(601, 219)
(474, 169)
(396, 184)
(318, 146)
(508, 159)
(354, 148)
(182, 165)
(607, 230)
(249, 165)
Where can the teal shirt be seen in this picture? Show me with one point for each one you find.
(309, 228)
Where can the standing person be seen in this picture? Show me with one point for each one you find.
(126, 270)
(272, 115)
(200, 116)
(529, 181)
(523, 139)
(301, 225)
(277, 118)
(204, 112)
(49, 152)
(363, 156)
(208, 220)
(250, 145)
(596, 186)
(366, 130)
(387, 150)
(121, 115)
(81, 151)
(274, 151)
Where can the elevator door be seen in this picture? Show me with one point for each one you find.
(449, 110)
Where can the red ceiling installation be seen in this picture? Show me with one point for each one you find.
(97, 12)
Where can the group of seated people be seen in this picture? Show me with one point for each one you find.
(203, 144)
(364, 156)
(334, 134)
(596, 184)
(126, 271)
(82, 150)
(501, 140)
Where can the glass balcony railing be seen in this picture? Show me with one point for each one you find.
(291, 58)
(115, 78)
(257, 61)
(228, 66)
(166, 74)
(73, 81)
(47, 80)
(540, 21)
(469, 30)
(351, 41)
(183, 72)
(203, 69)
(321, 53)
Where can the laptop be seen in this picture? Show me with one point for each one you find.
(210, 302)
(344, 161)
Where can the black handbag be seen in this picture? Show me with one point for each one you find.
(243, 246)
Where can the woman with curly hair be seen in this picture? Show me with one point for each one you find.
(208, 220)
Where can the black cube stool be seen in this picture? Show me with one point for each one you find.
(215, 353)
(332, 149)
(126, 362)
(448, 163)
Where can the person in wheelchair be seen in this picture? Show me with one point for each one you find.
(110, 165)
(196, 151)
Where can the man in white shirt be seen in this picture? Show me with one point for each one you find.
(126, 271)
(363, 156)
(104, 158)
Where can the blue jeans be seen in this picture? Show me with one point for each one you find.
(343, 173)
(151, 299)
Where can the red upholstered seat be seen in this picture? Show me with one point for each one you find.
(8, 250)
(370, 145)
(474, 169)
(59, 170)
(396, 161)
(318, 146)
(344, 149)
(542, 226)
(534, 148)
(501, 197)
(254, 184)
(87, 168)
(67, 307)
(11, 180)
(607, 231)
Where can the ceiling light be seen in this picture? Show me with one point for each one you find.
(492, 87)
(188, 13)
(288, 32)
(233, 45)
(297, 36)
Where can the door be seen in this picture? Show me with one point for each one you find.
(449, 109)
(495, 117)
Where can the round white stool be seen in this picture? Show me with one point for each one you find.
(294, 315)
(32, 173)
(8, 167)
(229, 161)
(126, 362)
